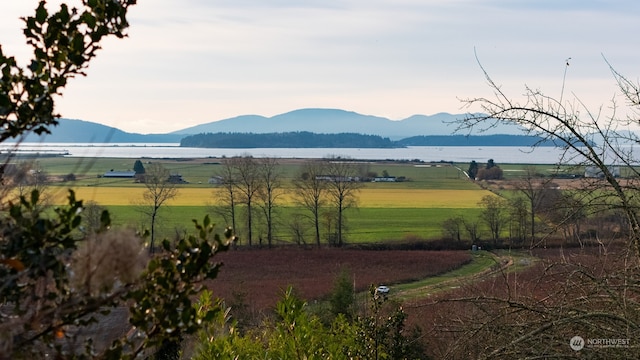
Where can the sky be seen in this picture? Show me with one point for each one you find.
(190, 62)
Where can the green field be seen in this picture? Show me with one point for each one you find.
(198, 171)
(414, 209)
(364, 224)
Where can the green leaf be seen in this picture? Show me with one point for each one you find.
(88, 19)
(76, 221)
(41, 13)
(105, 219)
(35, 195)
(63, 13)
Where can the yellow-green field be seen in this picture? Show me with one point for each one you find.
(414, 208)
(367, 198)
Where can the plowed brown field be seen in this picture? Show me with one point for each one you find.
(262, 275)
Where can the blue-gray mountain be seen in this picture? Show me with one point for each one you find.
(322, 121)
(79, 131)
(335, 121)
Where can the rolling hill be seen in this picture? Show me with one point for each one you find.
(80, 131)
(321, 121)
(338, 121)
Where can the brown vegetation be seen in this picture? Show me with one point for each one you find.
(516, 314)
(261, 276)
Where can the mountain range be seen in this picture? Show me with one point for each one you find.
(322, 121)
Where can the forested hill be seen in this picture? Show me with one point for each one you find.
(302, 139)
(474, 140)
(305, 139)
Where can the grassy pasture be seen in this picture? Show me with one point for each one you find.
(364, 224)
(198, 171)
(415, 208)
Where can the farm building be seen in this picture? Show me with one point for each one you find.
(177, 179)
(385, 179)
(216, 180)
(334, 178)
(595, 172)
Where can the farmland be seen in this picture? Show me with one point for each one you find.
(367, 198)
(389, 218)
(385, 211)
(312, 272)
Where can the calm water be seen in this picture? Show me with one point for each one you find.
(501, 154)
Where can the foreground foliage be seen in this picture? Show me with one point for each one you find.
(45, 313)
(295, 333)
(54, 286)
(63, 44)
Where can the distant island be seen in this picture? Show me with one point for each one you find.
(298, 139)
(475, 140)
(305, 139)
(303, 128)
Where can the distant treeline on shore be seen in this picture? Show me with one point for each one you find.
(305, 139)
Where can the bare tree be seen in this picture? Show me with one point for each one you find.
(92, 217)
(473, 229)
(534, 188)
(248, 185)
(592, 294)
(227, 178)
(298, 227)
(270, 175)
(493, 215)
(159, 190)
(23, 177)
(589, 138)
(310, 188)
(518, 220)
(566, 214)
(452, 228)
(343, 184)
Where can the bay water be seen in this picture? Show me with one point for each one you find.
(500, 154)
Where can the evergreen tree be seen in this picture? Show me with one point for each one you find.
(138, 167)
(473, 170)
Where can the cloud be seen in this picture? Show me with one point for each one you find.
(200, 60)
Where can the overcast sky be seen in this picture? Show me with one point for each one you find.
(190, 62)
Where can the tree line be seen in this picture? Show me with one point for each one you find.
(530, 211)
(300, 139)
(252, 188)
(491, 171)
(305, 139)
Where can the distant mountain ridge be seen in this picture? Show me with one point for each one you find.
(80, 131)
(321, 121)
(305, 139)
(335, 121)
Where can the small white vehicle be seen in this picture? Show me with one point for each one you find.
(382, 289)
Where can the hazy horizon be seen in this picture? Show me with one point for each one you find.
(196, 62)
